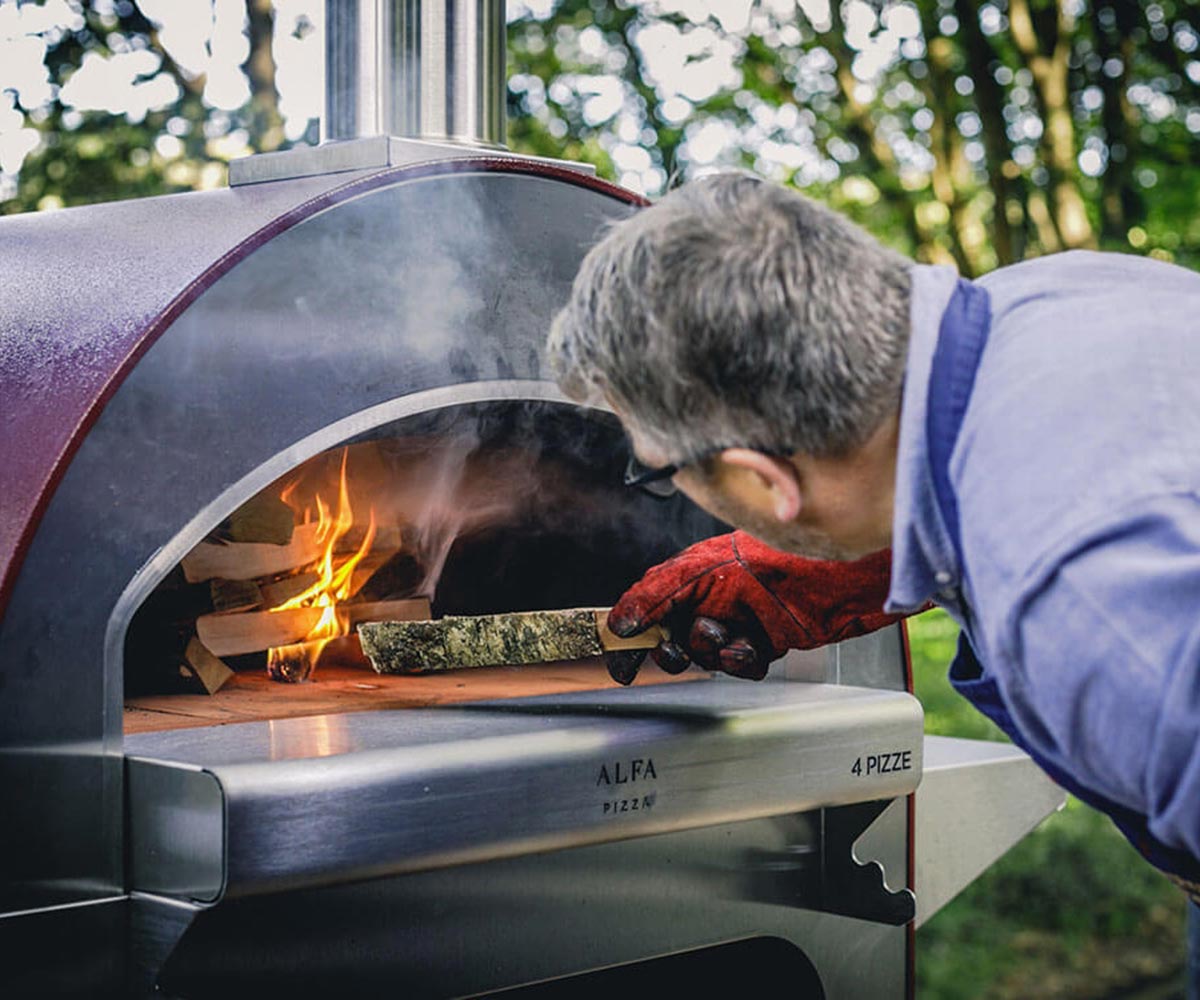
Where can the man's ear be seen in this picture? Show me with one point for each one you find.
(777, 476)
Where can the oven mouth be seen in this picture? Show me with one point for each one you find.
(483, 498)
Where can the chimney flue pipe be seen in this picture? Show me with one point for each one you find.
(429, 70)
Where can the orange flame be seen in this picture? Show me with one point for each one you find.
(333, 585)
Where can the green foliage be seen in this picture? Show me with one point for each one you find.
(933, 638)
(958, 131)
(961, 132)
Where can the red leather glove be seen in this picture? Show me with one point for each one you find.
(735, 604)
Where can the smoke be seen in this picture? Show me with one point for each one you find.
(502, 507)
(454, 504)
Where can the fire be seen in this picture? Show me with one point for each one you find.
(333, 586)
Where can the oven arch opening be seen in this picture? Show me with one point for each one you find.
(483, 498)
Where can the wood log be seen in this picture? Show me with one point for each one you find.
(253, 560)
(254, 631)
(262, 518)
(520, 637)
(280, 591)
(235, 595)
(250, 560)
(211, 671)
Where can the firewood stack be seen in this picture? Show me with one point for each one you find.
(218, 603)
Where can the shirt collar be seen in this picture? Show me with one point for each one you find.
(923, 561)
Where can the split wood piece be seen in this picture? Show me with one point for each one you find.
(252, 560)
(280, 591)
(211, 671)
(368, 567)
(263, 518)
(232, 635)
(235, 595)
(277, 592)
(522, 637)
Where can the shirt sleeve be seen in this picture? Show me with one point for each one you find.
(1102, 674)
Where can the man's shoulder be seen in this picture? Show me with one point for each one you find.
(1084, 402)
(1083, 276)
(1083, 264)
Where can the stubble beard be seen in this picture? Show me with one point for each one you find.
(796, 539)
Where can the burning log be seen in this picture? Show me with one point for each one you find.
(250, 560)
(408, 647)
(296, 663)
(250, 595)
(281, 591)
(252, 632)
(254, 560)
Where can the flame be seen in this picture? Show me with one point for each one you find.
(333, 585)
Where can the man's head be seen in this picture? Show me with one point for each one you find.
(736, 314)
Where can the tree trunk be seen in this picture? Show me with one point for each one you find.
(860, 129)
(946, 143)
(1119, 200)
(259, 67)
(989, 101)
(1048, 62)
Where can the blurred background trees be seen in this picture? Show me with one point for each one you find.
(969, 132)
(961, 131)
(111, 98)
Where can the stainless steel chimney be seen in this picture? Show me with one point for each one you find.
(426, 69)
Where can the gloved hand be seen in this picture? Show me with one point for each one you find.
(733, 603)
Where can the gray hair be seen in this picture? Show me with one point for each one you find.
(735, 312)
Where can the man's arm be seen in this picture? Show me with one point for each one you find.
(1101, 666)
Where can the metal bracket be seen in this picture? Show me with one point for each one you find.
(851, 888)
(818, 869)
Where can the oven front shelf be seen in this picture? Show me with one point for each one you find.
(265, 807)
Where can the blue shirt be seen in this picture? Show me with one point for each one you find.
(1077, 477)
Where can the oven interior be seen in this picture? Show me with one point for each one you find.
(479, 508)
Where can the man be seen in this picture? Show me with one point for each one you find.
(1027, 444)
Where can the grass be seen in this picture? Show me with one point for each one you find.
(1071, 911)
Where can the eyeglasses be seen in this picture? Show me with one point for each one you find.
(658, 482)
(655, 482)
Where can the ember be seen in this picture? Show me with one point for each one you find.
(293, 664)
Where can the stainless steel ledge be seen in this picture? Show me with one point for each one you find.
(262, 807)
(977, 799)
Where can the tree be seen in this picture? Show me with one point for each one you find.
(175, 144)
(963, 131)
(975, 132)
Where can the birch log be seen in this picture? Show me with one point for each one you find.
(409, 647)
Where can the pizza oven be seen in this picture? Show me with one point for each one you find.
(239, 422)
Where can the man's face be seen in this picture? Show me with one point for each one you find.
(725, 498)
(845, 504)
